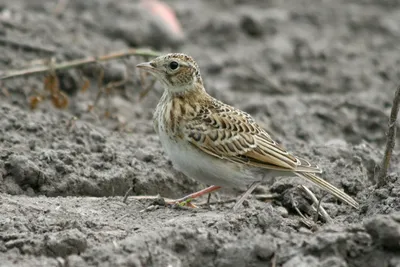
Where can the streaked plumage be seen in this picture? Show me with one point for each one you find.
(215, 143)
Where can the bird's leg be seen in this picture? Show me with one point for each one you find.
(208, 198)
(187, 199)
(246, 194)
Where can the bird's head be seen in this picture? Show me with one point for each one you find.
(177, 72)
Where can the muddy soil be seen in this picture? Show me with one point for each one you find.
(319, 75)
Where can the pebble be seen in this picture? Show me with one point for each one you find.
(143, 155)
(96, 136)
(283, 212)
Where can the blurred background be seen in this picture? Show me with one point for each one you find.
(319, 75)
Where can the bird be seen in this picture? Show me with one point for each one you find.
(215, 143)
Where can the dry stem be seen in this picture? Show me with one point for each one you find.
(391, 139)
(78, 63)
(319, 210)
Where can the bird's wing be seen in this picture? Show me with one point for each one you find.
(227, 133)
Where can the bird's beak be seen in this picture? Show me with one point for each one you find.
(146, 66)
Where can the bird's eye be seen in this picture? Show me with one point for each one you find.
(173, 65)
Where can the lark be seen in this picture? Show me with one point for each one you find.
(217, 144)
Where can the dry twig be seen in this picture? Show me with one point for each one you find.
(127, 194)
(52, 84)
(303, 218)
(149, 198)
(77, 63)
(208, 203)
(273, 260)
(317, 205)
(391, 139)
(262, 197)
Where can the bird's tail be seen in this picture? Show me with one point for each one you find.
(328, 187)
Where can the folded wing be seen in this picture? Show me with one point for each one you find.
(227, 133)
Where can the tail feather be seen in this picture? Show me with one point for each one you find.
(328, 187)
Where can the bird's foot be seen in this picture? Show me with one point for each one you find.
(181, 203)
(187, 200)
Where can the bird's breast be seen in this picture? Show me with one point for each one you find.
(200, 166)
(172, 114)
(171, 117)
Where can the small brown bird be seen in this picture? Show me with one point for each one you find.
(215, 143)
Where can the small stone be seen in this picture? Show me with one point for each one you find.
(31, 127)
(304, 230)
(264, 248)
(96, 136)
(143, 155)
(283, 212)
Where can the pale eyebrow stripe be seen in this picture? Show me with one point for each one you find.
(186, 64)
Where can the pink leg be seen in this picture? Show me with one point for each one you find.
(197, 194)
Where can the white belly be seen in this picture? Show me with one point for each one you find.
(204, 168)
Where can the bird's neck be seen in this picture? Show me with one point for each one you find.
(190, 91)
(174, 108)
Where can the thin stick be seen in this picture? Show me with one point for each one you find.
(266, 197)
(231, 200)
(263, 197)
(319, 208)
(303, 218)
(273, 260)
(150, 198)
(246, 194)
(209, 199)
(391, 139)
(78, 63)
(324, 214)
(127, 194)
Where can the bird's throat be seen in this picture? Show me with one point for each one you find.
(191, 90)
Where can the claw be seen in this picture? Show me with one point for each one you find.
(182, 203)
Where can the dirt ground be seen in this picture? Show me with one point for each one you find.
(319, 75)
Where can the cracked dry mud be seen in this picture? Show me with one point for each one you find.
(319, 75)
